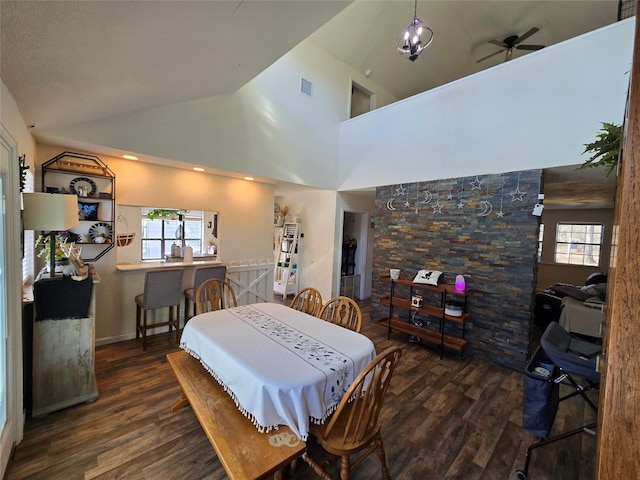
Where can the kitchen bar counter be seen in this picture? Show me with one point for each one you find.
(133, 267)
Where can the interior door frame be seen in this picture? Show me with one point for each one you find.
(14, 427)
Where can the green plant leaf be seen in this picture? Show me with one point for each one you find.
(605, 150)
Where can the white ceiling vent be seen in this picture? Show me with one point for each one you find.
(305, 86)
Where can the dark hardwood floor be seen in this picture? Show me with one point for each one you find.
(450, 418)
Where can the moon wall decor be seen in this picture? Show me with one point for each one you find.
(390, 204)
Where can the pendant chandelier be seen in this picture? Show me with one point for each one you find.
(415, 38)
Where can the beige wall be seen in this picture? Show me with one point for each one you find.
(550, 272)
(245, 227)
(317, 210)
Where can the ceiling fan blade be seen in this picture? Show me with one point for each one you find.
(526, 35)
(530, 47)
(489, 56)
(499, 43)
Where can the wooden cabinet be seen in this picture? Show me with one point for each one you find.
(285, 278)
(431, 322)
(89, 178)
(63, 348)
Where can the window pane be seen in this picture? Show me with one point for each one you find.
(151, 228)
(151, 249)
(579, 244)
(160, 234)
(540, 238)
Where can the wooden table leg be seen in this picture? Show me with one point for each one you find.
(180, 403)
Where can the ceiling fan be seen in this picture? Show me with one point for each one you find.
(511, 42)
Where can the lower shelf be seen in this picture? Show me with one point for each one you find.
(430, 336)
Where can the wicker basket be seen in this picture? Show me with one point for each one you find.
(124, 239)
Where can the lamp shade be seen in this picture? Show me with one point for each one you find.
(50, 211)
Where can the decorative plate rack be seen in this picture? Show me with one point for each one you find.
(94, 183)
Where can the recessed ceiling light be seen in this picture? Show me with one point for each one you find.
(251, 179)
(130, 157)
(198, 169)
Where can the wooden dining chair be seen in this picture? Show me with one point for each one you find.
(342, 311)
(307, 300)
(354, 426)
(214, 294)
(201, 275)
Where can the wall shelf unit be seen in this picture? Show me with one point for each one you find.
(285, 278)
(438, 327)
(89, 178)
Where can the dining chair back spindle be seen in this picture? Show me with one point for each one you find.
(354, 426)
(201, 275)
(307, 300)
(162, 288)
(342, 311)
(215, 294)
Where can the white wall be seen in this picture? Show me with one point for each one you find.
(535, 111)
(266, 129)
(245, 227)
(316, 260)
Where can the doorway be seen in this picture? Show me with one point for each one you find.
(362, 100)
(353, 255)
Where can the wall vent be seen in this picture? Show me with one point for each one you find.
(305, 86)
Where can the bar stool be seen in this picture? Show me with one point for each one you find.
(202, 275)
(162, 288)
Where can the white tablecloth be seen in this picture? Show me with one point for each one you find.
(281, 366)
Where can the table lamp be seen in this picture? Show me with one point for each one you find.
(50, 212)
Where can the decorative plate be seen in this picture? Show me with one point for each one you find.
(100, 232)
(78, 182)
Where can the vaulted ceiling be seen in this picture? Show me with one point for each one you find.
(68, 62)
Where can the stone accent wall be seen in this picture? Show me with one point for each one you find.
(481, 227)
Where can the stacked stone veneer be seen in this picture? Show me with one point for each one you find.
(481, 227)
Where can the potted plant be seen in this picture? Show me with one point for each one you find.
(605, 150)
(165, 213)
(43, 250)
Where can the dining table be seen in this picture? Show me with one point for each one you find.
(279, 365)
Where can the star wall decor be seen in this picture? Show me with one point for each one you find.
(461, 202)
(493, 189)
(516, 195)
(476, 184)
(437, 208)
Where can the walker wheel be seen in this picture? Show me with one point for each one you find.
(521, 475)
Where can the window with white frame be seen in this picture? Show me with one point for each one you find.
(28, 249)
(160, 233)
(540, 238)
(579, 243)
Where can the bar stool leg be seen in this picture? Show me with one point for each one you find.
(186, 309)
(144, 330)
(138, 308)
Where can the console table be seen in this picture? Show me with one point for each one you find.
(63, 359)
